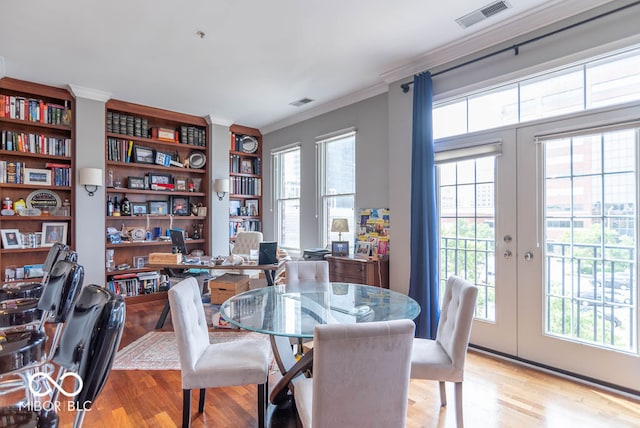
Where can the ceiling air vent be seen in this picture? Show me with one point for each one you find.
(483, 13)
(301, 102)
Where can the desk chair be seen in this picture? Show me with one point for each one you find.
(443, 359)
(206, 365)
(360, 376)
(245, 242)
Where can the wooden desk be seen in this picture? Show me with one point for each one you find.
(360, 271)
(269, 273)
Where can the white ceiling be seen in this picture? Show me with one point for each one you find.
(257, 56)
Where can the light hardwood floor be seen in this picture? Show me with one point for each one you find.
(497, 393)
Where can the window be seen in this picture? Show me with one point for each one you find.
(591, 84)
(337, 182)
(286, 179)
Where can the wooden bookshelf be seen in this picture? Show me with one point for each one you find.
(245, 180)
(37, 130)
(157, 160)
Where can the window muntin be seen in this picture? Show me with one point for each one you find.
(591, 84)
(337, 178)
(286, 165)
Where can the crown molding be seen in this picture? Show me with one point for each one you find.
(89, 93)
(517, 26)
(332, 105)
(212, 120)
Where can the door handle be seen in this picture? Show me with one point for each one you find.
(507, 254)
(528, 256)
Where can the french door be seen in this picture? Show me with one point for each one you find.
(555, 258)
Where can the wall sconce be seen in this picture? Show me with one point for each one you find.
(221, 187)
(340, 225)
(90, 177)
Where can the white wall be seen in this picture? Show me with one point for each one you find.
(369, 117)
(220, 143)
(90, 210)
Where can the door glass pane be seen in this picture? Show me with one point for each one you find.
(590, 239)
(467, 228)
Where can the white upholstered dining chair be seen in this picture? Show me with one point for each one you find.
(443, 359)
(360, 376)
(245, 242)
(312, 271)
(206, 365)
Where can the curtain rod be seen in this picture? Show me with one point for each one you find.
(516, 47)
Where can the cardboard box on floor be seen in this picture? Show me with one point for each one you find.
(226, 286)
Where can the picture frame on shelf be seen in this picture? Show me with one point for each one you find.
(54, 232)
(136, 183)
(11, 239)
(139, 208)
(143, 155)
(252, 207)
(158, 207)
(195, 184)
(180, 206)
(41, 177)
(234, 207)
(340, 248)
(362, 249)
(246, 166)
(180, 184)
(160, 181)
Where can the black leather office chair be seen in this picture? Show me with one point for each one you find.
(87, 347)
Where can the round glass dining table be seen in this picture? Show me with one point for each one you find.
(294, 311)
(286, 311)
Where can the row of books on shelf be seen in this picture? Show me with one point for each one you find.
(18, 173)
(126, 124)
(120, 123)
(119, 150)
(245, 165)
(246, 186)
(135, 284)
(35, 143)
(34, 110)
(236, 226)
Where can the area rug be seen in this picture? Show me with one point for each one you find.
(157, 350)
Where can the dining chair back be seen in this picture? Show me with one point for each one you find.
(301, 272)
(206, 365)
(443, 359)
(360, 376)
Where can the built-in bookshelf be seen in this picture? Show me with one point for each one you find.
(157, 179)
(245, 180)
(36, 174)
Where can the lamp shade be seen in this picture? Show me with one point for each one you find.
(340, 225)
(90, 177)
(221, 185)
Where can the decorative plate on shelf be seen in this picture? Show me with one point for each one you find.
(249, 144)
(43, 199)
(197, 160)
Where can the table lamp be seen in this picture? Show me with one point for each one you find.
(340, 225)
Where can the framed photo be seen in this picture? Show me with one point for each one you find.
(136, 183)
(158, 207)
(180, 184)
(234, 207)
(160, 181)
(37, 176)
(139, 208)
(340, 248)
(246, 166)
(11, 238)
(362, 249)
(180, 205)
(54, 232)
(138, 262)
(252, 207)
(143, 155)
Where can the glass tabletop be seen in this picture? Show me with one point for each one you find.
(294, 311)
